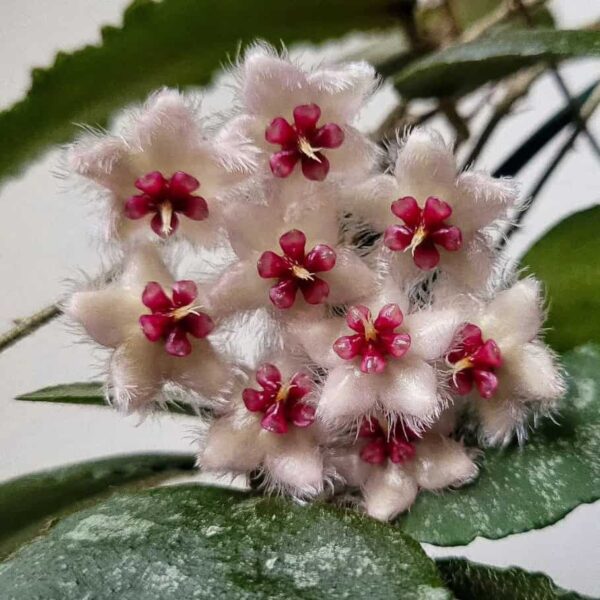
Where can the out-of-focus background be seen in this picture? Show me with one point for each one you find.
(46, 238)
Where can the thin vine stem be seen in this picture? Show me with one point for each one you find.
(28, 325)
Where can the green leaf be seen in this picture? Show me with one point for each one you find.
(199, 542)
(174, 43)
(463, 68)
(530, 487)
(472, 581)
(89, 393)
(32, 503)
(567, 260)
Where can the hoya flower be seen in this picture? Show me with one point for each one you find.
(391, 465)
(498, 359)
(160, 173)
(271, 429)
(288, 258)
(302, 119)
(158, 331)
(379, 358)
(432, 218)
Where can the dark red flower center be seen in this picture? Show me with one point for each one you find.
(423, 230)
(166, 198)
(374, 340)
(474, 362)
(281, 403)
(295, 270)
(173, 319)
(395, 444)
(303, 141)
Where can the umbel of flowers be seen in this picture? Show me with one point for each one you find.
(242, 289)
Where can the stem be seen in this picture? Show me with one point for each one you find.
(587, 111)
(448, 107)
(28, 325)
(517, 88)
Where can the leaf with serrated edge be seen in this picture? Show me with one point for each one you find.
(463, 68)
(175, 43)
(530, 487)
(201, 542)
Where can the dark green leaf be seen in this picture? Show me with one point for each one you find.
(463, 68)
(567, 260)
(197, 542)
(541, 136)
(31, 504)
(88, 393)
(472, 581)
(173, 43)
(530, 487)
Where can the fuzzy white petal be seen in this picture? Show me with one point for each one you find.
(347, 394)
(534, 373)
(432, 331)
(409, 386)
(350, 280)
(136, 373)
(239, 288)
(109, 316)
(388, 492)
(515, 315)
(425, 166)
(481, 199)
(317, 338)
(295, 463)
(442, 462)
(232, 444)
(471, 266)
(348, 465)
(144, 264)
(500, 419)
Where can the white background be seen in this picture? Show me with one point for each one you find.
(45, 239)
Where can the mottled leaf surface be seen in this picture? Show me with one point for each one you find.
(567, 260)
(465, 67)
(472, 581)
(530, 487)
(32, 503)
(200, 542)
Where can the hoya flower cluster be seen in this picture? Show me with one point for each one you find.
(247, 287)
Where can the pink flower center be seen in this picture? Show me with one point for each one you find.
(423, 230)
(397, 444)
(303, 141)
(281, 403)
(166, 198)
(173, 319)
(374, 340)
(296, 270)
(474, 362)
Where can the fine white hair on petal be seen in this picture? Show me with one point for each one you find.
(233, 445)
(501, 419)
(432, 331)
(534, 374)
(482, 199)
(347, 394)
(294, 463)
(136, 374)
(317, 339)
(144, 264)
(515, 315)
(239, 288)
(425, 166)
(349, 466)
(389, 491)
(350, 280)
(472, 267)
(109, 316)
(409, 386)
(442, 462)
